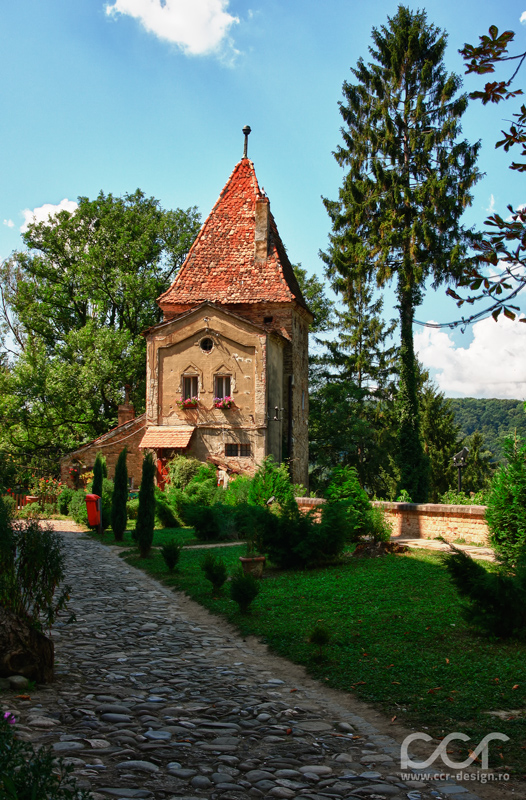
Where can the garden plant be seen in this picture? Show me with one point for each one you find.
(119, 497)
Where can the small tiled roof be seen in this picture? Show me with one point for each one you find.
(221, 266)
(166, 436)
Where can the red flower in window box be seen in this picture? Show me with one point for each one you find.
(223, 402)
(189, 402)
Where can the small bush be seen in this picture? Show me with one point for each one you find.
(253, 524)
(204, 521)
(215, 570)
(181, 470)
(297, 540)
(379, 528)
(77, 507)
(107, 495)
(452, 498)
(345, 487)
(27, 773)
(31, 569)
(271, 480)
(171, 552)
(237, 491)
(132, 508)
(243, 590)
(64, 499)
(496, 600)
(506, 504)
(320, 638)
(203, 492)
(164, 511)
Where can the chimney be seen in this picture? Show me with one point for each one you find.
(126, 411)
(262, 228)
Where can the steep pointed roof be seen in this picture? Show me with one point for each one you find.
(224, 265)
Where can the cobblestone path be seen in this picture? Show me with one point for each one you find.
(147, 703)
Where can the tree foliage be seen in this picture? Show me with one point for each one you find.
(352, 386)
(440, 434)
(408, 180)
(75, 303)
(506, 504)
(493, 418)
(504, 242)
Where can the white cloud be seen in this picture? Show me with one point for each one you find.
(492, 365)
(491, 208)
(42, 213)
(523, 18)
(198, 27)
(9, 223)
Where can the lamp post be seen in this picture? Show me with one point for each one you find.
(459, 461)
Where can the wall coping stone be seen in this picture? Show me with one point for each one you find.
(429, 508)
(432, 508)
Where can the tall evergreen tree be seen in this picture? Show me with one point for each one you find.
(119, 499)
(353, 385)
(441, 437)
(145, 524)
(408, 180)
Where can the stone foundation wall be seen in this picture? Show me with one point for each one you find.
(427, 520)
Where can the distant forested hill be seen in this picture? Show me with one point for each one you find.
(493, 418)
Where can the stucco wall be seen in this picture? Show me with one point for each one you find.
(240, 351)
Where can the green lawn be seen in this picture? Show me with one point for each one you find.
(398, 640)
(183, 536)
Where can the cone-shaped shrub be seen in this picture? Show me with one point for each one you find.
(98, 475)
(119, 513)
(243, 590)
(146, 516)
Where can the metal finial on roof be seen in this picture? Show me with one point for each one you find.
(246, 131)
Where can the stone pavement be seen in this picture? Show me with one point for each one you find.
(149, 703)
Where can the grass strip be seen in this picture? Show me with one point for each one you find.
(397, 640)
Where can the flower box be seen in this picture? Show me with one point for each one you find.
(223, 402)
(189, 402)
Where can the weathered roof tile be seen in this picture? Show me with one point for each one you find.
(221, 266)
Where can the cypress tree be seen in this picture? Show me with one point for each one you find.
(119, 499)
(408, 180)
(98, 475)
(146, 515)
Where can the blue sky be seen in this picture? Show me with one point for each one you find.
(117, 94)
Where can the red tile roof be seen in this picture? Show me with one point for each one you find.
(221, 266)
(166, 436)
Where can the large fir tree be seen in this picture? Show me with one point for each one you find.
(408, 180)
(352, 386)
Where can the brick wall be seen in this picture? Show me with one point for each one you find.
(427, 520)
(110, 445)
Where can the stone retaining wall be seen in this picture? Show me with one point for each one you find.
(427, 520)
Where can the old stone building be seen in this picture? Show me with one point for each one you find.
(227, 368)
